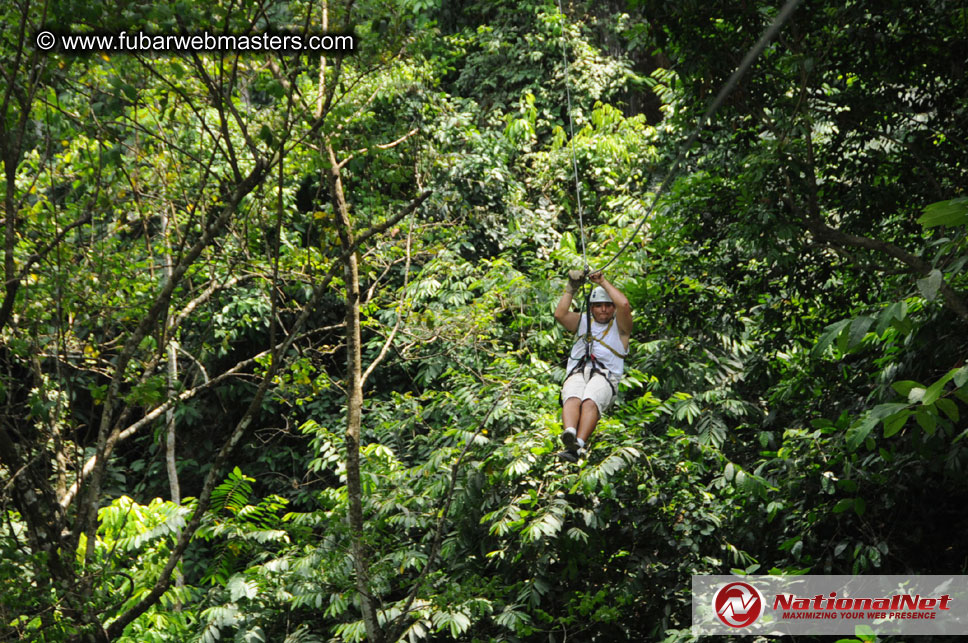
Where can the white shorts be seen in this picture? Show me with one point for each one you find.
(586, 386)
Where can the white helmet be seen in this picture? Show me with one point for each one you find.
(599, 296)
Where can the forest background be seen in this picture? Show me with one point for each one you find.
(277, 359)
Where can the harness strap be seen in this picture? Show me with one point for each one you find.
(604, 372)
(589, 338)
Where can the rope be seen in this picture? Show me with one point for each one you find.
(744, 66)
(574, 166)
(571, 141)
(588, 321)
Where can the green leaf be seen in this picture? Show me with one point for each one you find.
(275, 88)
(255, 635)
(896, 422)
(929, 285)
(903, 326)
(740, 478)
(266, 135)
(712, 429)
(850, 486)
(916, 394)
(961, 376)
(857, 433)
(860, 506)
(858, 328)
(130, 92)
(927, 419)
(949, 407)
(861, 428)
(953, 212)
(458, 623)
(843, 341)
(888, 315)
(830, 334)
(934, 391)
(882, 411)
(240, 587)
(568, 241)
(789, 543)
(843, 505)
(904, 387)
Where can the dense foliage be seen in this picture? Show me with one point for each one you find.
(277, 359)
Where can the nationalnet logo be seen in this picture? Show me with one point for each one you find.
(738, 604)
(896, 606)
(821, 605)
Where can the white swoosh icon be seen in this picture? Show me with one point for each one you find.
(736, 606)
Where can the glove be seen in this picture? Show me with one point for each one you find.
(575, 280)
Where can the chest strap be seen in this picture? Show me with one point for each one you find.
(589, 338)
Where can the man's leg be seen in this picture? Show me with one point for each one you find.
(588, 419)
(570, 413)
(598, 395)
(572, 392)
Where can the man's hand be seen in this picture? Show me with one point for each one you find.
(597, 277)
(575, 279)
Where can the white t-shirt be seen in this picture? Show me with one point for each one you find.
(606, 333)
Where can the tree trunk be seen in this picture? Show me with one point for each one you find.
(171, 349)
(354, 400)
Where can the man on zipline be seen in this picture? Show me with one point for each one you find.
(596, 361)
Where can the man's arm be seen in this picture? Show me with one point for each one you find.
(564, 315)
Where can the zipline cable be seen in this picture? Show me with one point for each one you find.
(740, 71)
(571, 135)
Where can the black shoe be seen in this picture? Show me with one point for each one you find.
(568, 455)
(572, 455)
(570, 440)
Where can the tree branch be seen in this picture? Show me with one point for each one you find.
(813, 219)
(396, 326)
